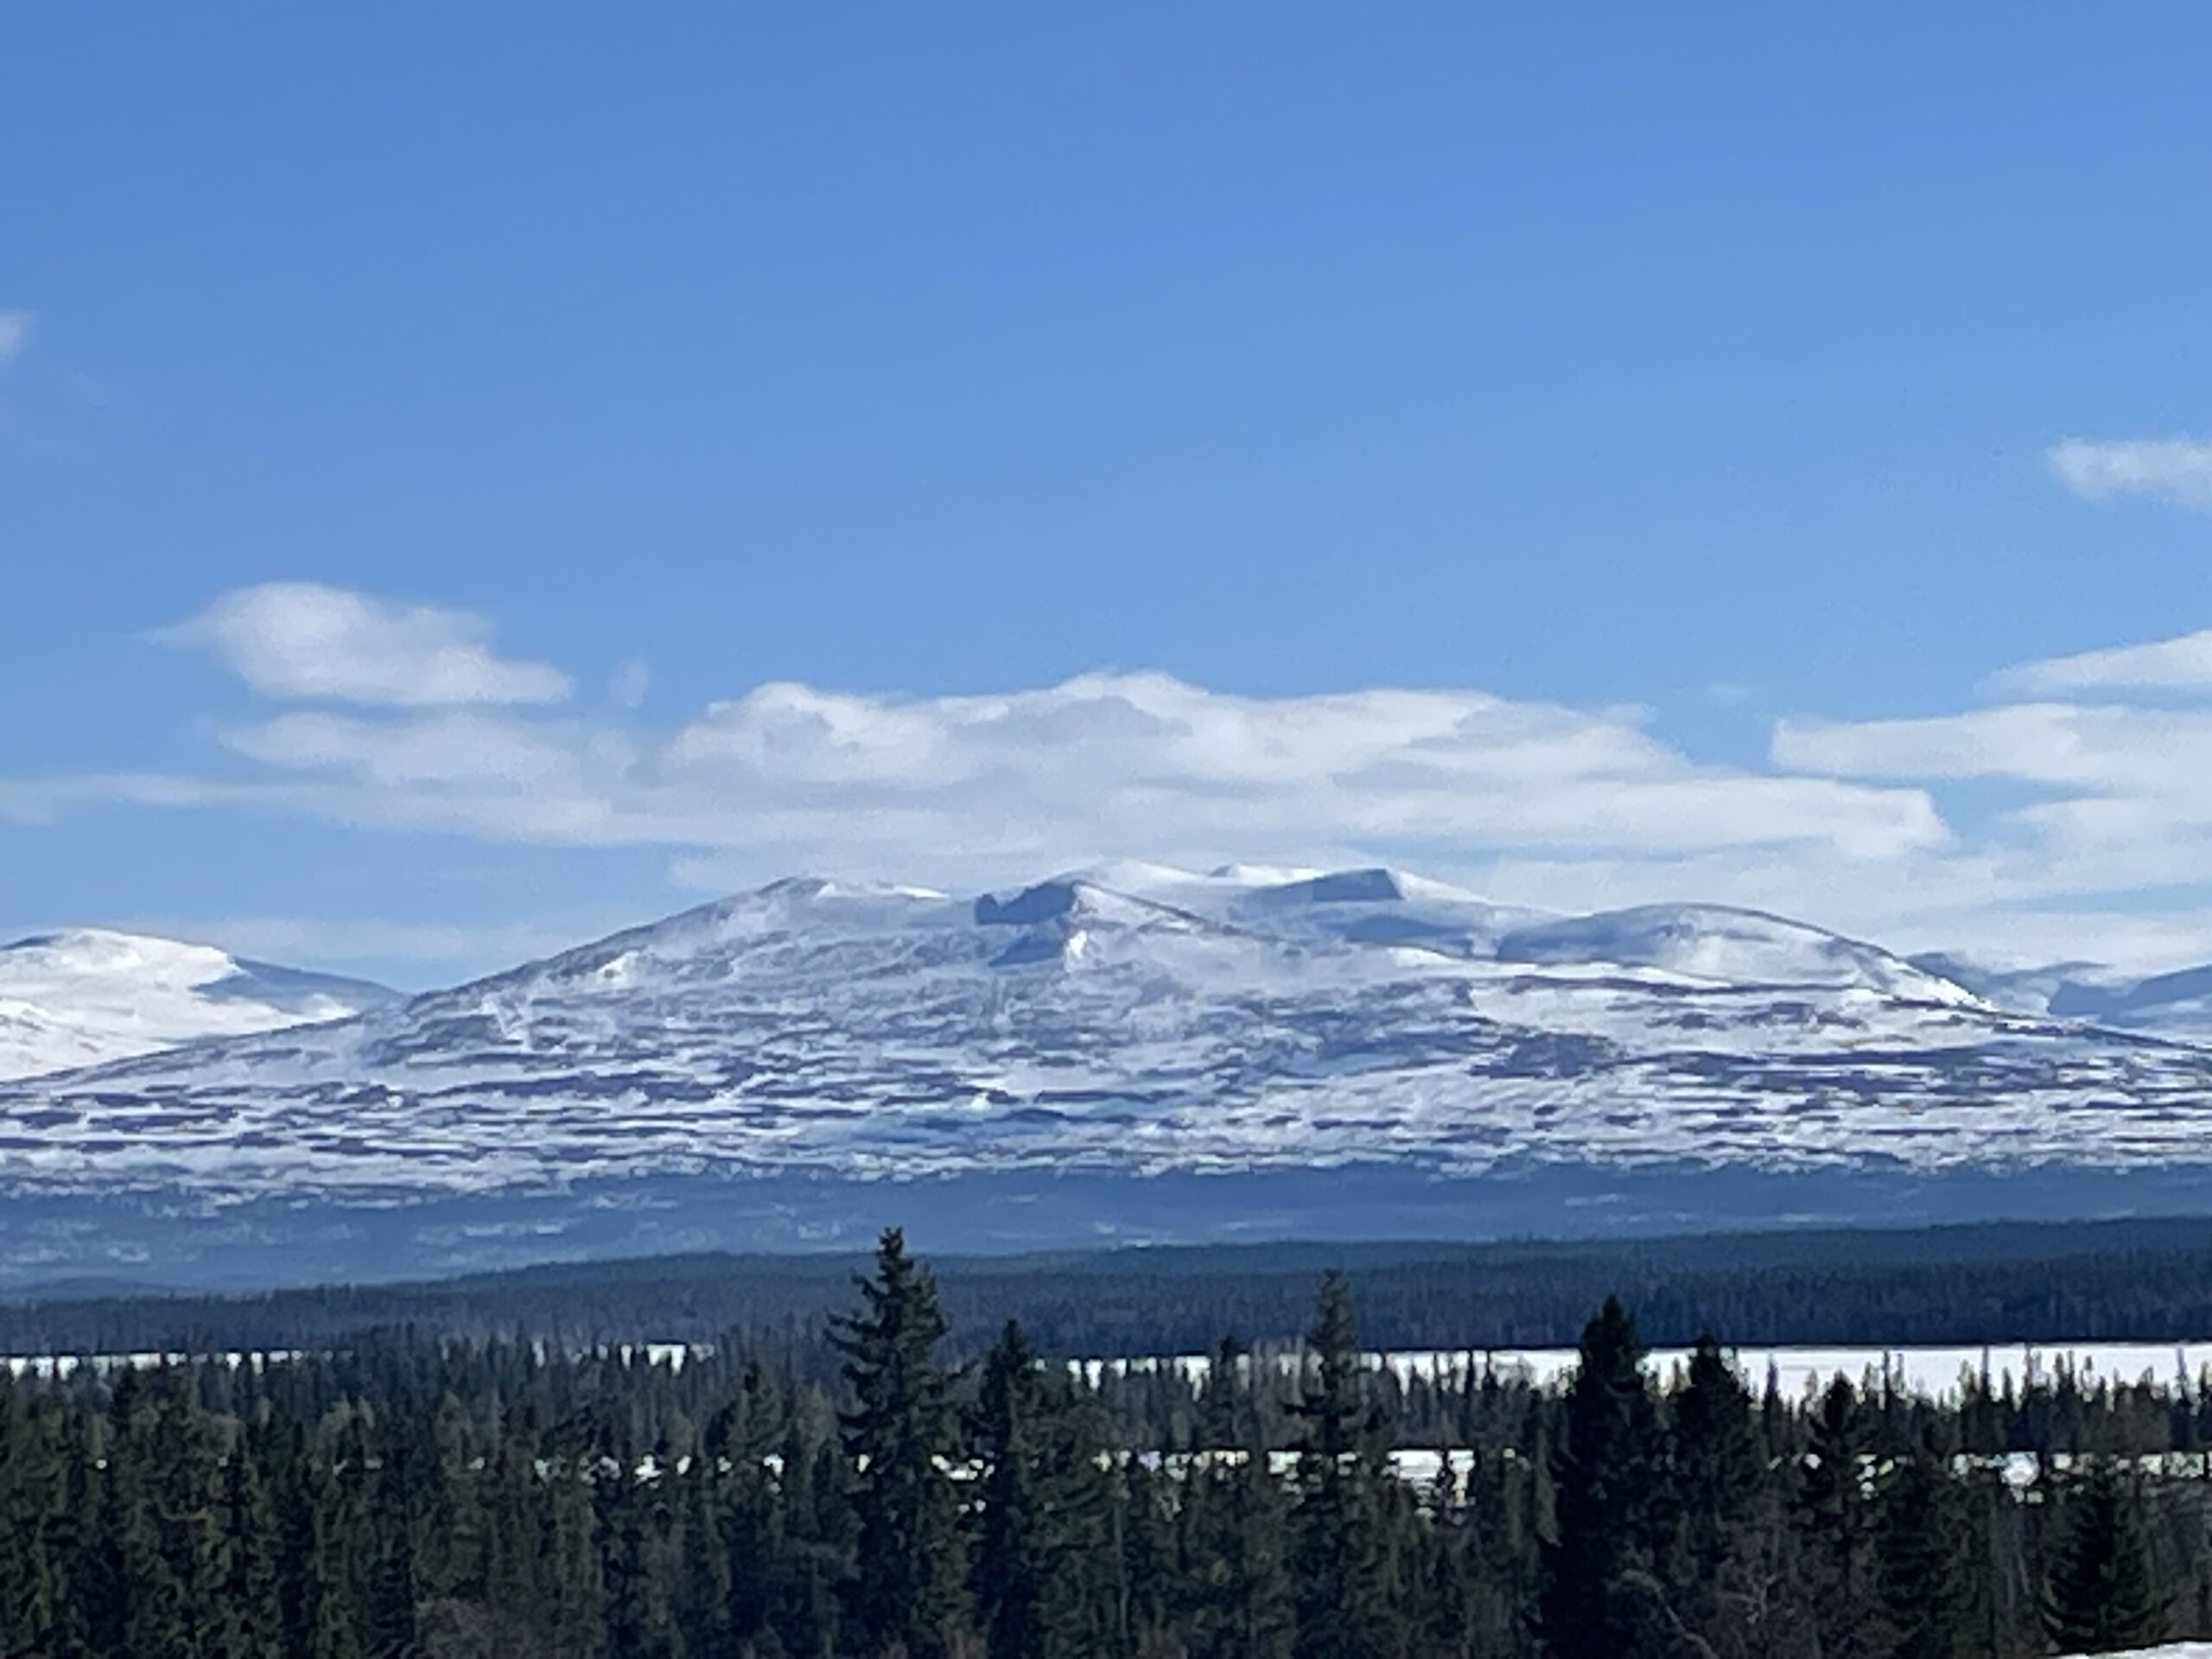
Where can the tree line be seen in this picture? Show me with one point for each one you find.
(413, 1497)
(1999, 1283)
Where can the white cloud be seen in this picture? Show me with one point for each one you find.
(1118, 765)
(991, 787)
(2105, 805)
(304, 640)
(2063, 745)
(2115, 810)
(2183, 663)
(2177, 469)
(15, 332)
(1000, 787)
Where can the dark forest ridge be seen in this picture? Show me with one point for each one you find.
(2008, 1282)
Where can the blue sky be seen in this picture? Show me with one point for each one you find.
(425, 431)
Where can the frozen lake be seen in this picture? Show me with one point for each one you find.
(1934, 1372)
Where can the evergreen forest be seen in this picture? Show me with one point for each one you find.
(878, 1487)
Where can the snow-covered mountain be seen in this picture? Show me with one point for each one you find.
(1715, 943)
(2177, 1004)
(1132, 1049)
(88, 996)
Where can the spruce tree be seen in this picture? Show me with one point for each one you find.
(739, 1438)
(632, 1532)
(1132, 1586)
(174, 1551)
(1602, 1595)
(249, 1593)
(702, 1599)
(117, 1576)
(907, 1590)
(1504, 1567)
(569, 1588)
(2099, 1596)
(1046, 1578)
(30, 1491)
(1919, 1550)
(1234, 1581)
(1836, 1522)
(390, 1611)
(457, 1521)
(73, 1539)
(1715, 1478)
(1447, 1626)
(819, 1530)
(1349, 1600)
(1012, 1562)
(338, 1509)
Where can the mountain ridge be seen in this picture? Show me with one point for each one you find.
(1206, 1055)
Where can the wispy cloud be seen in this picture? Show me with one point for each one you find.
(15, 332)
(301, 640)
(2177, 469)
(2183, 663)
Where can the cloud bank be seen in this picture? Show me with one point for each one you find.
(403, 718)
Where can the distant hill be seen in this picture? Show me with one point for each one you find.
(88, 996)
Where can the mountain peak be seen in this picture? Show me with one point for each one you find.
(84, 995)
(102, 950)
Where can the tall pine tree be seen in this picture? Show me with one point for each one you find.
(1601, 1594)
(1715, 1478)
(1343, 1531)
(907, 1590)
(1236, 1581)
(2100, 1595)
(1836, 1527)
(1918, 1553)
(1014, 1561)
